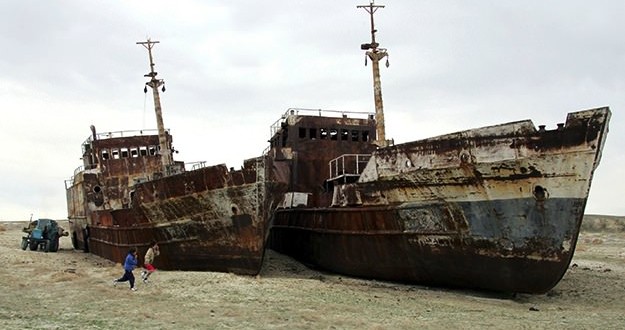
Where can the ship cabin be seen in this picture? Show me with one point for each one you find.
(132, 154)
(113, 163)
(313, 150)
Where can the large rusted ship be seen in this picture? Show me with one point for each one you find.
(495, 208)
(129, 191)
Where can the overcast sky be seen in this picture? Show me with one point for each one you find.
(231, 68)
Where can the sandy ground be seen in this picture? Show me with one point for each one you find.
(73, 290)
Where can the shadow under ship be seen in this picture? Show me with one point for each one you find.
(496, 208)
(130, 192)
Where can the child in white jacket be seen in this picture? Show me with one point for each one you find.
(149, 260)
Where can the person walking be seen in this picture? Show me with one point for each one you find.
(129, 265)
(152, 253)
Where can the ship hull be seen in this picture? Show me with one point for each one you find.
(529, 254)
(231, 244)
(497, 208)
(209, 219)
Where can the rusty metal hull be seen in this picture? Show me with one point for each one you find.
(207, 219)
(525, 255)
(232, 244)
(220, 229)
(497, 208)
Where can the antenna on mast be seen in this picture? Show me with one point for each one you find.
(375, 54)
(165, 150)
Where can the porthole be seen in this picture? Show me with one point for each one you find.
(540, 193)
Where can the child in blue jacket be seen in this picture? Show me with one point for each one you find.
(129, 265)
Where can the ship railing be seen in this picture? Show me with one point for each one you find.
(79, 169)
(277, 125)
(127, 133)
(195, 165)
(348, 166)
(82, 168)
(70, 182)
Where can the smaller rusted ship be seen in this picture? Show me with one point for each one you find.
(129, 191)
(494, 208)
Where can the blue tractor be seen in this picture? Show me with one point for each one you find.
(43, 234)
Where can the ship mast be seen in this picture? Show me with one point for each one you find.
(376, 54)
(166, 158)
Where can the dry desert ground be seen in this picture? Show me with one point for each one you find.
(73, 290)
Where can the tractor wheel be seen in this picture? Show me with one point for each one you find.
(24, 243)
(54, 245)
(46, 246)
(33, 246)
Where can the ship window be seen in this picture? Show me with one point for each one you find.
(105, 154)
(323, 133)
(115, 153)
(124, 152)
(355, 135)
(344, 134)
(143, 151)
(313, 133)
(302, 132)
(365, 136)
(334, 134)
(134, 152)
(152, 150)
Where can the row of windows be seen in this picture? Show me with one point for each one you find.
(333, 134)
(117, 153)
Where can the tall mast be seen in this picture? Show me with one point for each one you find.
(154, 83)
(376, 54)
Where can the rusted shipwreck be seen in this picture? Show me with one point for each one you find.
(129, 191)
(495, 208)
